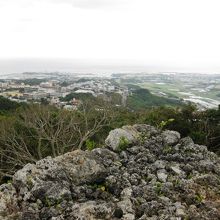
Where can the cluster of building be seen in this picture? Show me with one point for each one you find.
(54, 91)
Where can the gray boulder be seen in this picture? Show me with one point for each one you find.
(127, 134)
(171, 137)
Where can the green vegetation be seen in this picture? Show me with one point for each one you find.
(100, 186)
(158, 188)
(190, 176)
(112, 98)
(31, 132)
(176, 182)
(199, 198)
(90, 145)
(38, 131)
(123, 144)
(7, 106)
(81, 80)
(167, 149)
(178, 89)
(64, 84)
(32, 82)
(81, 96)
(29, 181)
(142, 98)
(163, 124)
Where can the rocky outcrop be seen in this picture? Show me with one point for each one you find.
(155, 175)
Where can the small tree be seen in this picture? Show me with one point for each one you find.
(40, 131)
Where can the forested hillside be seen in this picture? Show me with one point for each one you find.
(142, 98)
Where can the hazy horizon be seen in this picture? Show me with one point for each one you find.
(10, 66)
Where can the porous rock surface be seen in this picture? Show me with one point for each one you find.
(158, 176)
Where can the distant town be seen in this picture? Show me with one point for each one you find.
(52, 88)
(38, 88)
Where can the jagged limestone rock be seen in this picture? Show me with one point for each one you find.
(171, 137)
(128, 134)
(162, 175)
(8, 201)
(159, 176)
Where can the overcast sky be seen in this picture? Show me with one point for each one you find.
(180, 34)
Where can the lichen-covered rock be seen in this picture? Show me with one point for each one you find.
(158, 176)
(162, 175)
(8, 201)
(128, 134)
(171, 137)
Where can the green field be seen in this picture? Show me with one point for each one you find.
(174, 89)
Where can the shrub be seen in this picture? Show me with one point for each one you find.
(163, 124)
(123, 143)
(90, 145)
